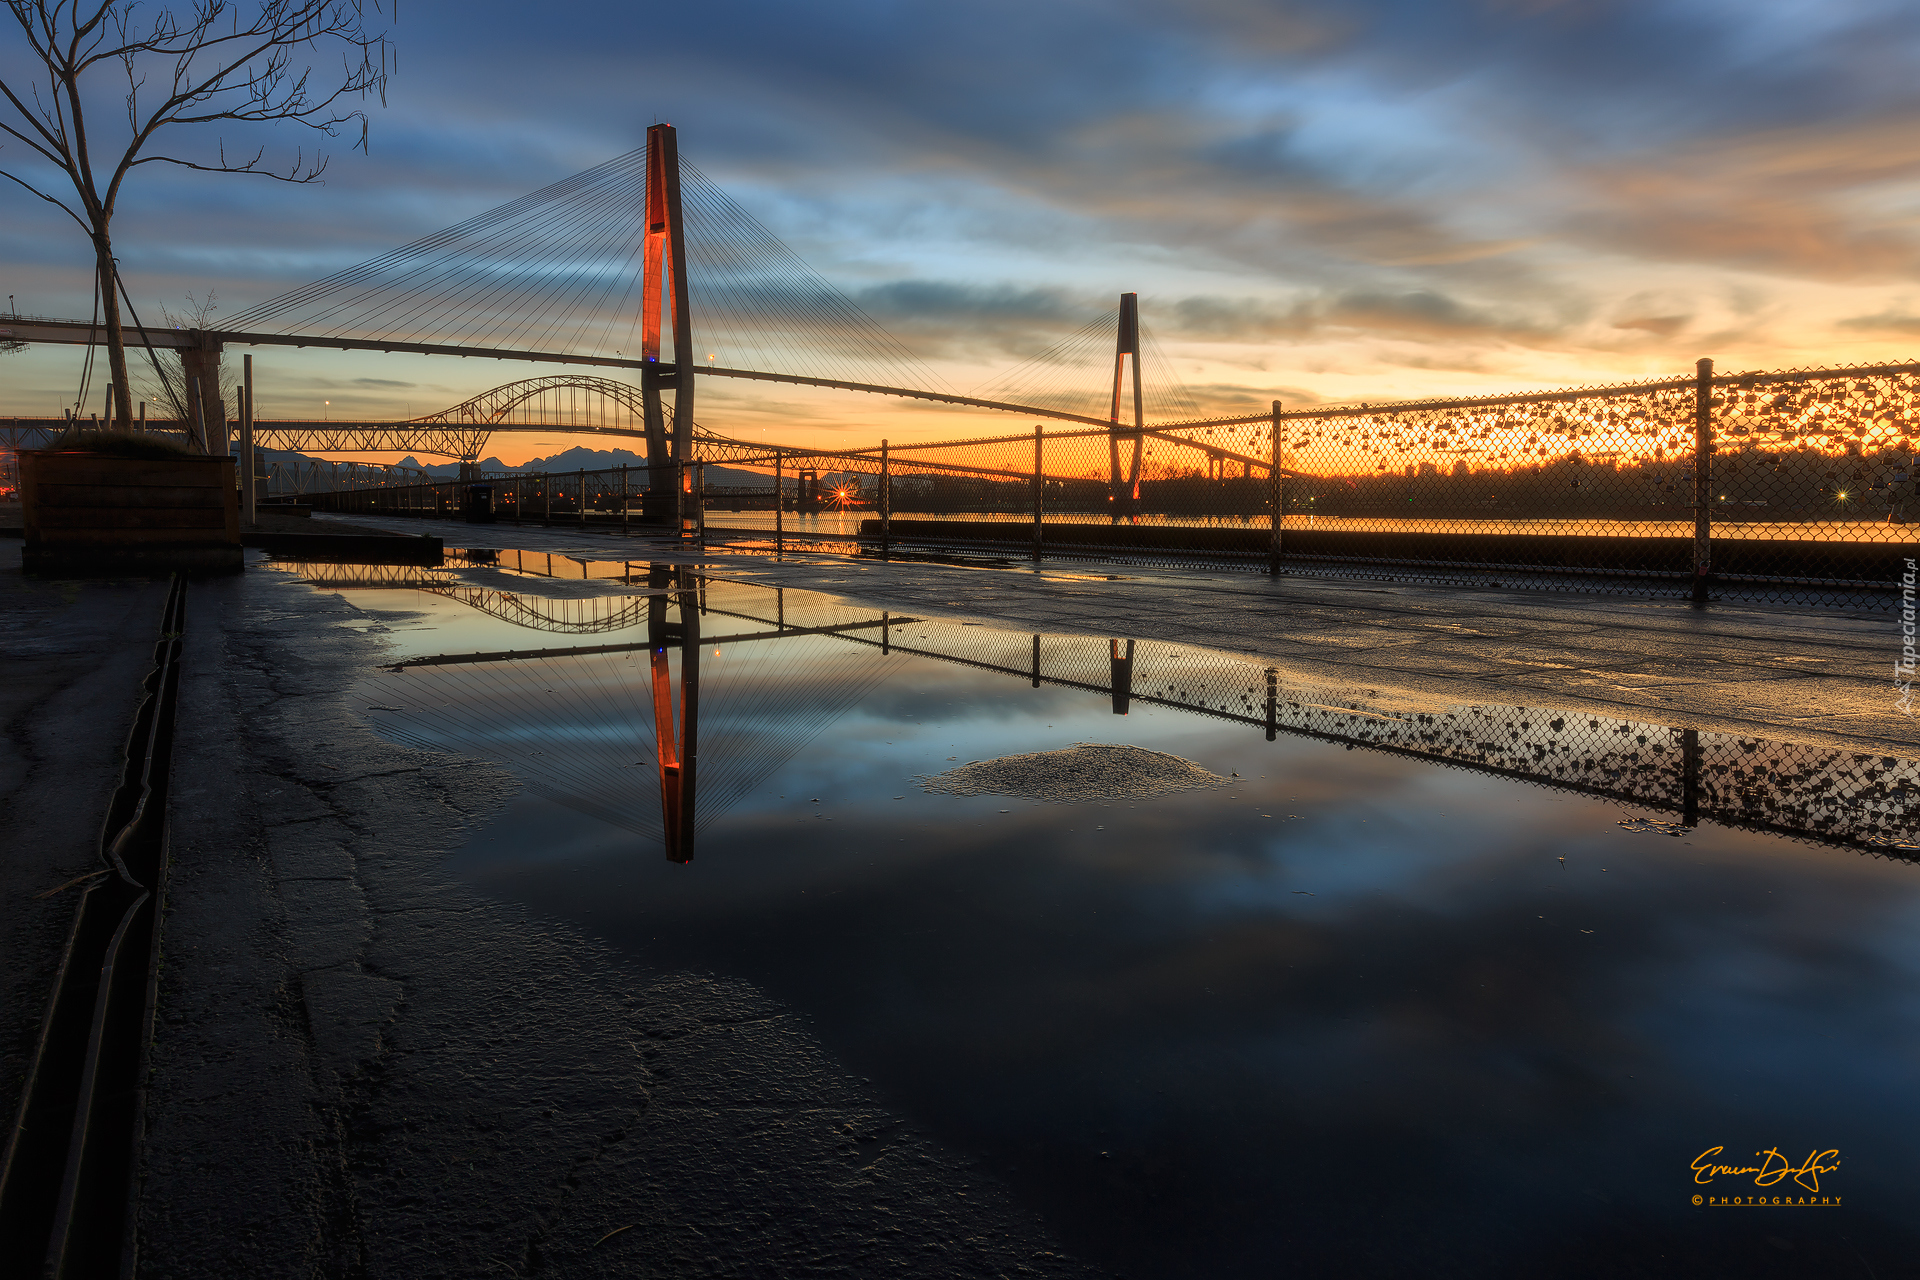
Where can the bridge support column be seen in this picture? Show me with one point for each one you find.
(657, 506)
(664, 271)
(1125, 494)
(200, 363)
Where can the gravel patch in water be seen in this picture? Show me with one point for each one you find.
(1083, 771)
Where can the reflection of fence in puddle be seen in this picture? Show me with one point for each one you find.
(757, 714)
(1834, 796)
(563, 615)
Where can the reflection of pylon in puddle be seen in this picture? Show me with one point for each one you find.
(676, 752)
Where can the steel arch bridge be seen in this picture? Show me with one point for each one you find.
(578, 404)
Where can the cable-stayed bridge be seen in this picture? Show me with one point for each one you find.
(641, 267)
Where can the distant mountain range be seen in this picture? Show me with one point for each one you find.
(575, 459)
(579, 459)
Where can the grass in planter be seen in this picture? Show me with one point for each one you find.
(121, 444)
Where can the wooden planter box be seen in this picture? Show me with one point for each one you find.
(95, 513)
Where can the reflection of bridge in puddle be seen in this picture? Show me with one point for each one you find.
(565, 615)
(564, 718)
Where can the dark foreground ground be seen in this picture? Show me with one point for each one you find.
(363, 1068)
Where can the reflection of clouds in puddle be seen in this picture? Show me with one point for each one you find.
(1453, 999)
(1036, 998)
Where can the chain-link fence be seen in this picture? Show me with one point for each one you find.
(1793, 486)
(1860, 800)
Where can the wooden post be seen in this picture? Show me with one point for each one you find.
(1036, 662)
(1273, 702)
(886, 502)
(779, 504)
(1274, 495)
(623, 499)
(1702, 479)
(250, 493)
(1039, 502)
(546, 498)
(582, 497)
(700, 506)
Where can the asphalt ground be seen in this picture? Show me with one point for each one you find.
(75, 654)
(361, 1068)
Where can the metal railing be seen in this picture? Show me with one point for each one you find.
(1794, 485)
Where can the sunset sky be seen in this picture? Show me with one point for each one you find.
(1316, 201)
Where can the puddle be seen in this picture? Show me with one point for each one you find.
(1397, 991)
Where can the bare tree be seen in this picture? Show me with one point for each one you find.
(214, 60)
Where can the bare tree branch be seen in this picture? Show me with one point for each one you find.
(218, 60)
(53, 200)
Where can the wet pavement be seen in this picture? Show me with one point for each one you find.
(1432, 986)
(1815, 674)
(1506, 909)
(75, 656)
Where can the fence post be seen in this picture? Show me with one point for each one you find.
(779, 504)
(886, 502)
(1039, 499)
(1702, 479)
(700, 511)
(252, 490)
(581, 497)
(1273, 702)
(1274, 495)
(1689, 777)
